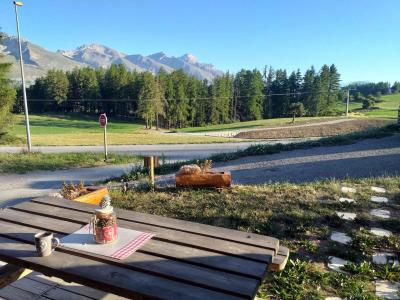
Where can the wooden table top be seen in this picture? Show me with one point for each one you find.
(185, 260)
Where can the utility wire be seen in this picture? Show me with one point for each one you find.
(187, 99)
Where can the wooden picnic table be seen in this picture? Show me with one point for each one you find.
(184, 260)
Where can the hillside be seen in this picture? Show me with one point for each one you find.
(386, 108)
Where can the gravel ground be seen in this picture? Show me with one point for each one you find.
(371, 157)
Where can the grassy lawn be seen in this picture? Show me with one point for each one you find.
(76, 130)
(385, 109)
(25, 162)
(302, 216)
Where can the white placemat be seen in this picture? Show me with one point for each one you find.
(128, 242)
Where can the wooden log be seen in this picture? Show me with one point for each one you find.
(93, 197)
(209, 179)
(10, 273)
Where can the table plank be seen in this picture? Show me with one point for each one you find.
(170, 235)
(123, 282)
(182, 272)
(10, 292)
(73, 287)
(186, 254)
(182, 225)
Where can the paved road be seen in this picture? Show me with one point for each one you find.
(169, 151)
(372, 157)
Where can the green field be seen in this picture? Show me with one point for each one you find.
(386, 109)
(65, 124)
(26, 162)
(76, 130)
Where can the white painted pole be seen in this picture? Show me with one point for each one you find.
(105, 144)
(28, 131)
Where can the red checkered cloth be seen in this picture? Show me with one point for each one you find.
(127, 243)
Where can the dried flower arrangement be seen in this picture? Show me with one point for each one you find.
(71, 191)
(204, 165)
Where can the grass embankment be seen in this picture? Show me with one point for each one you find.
(320, 130)
(256, 124)
(302, 217)
(77, 130)
(26, 162)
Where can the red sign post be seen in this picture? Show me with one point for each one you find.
(103, 123)
(103, 120)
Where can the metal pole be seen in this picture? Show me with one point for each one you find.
(105, 143)
(28, 131)
(347, 103)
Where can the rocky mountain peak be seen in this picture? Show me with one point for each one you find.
(39, 60)
(189, 58)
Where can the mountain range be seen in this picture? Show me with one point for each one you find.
(38, 60)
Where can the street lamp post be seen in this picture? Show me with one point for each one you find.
(28, 131)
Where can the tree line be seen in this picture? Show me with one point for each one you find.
(377, 89)
(177, 100)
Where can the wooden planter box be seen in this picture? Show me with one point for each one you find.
(94, 195)
(209, 179)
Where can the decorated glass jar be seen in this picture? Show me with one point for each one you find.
(104, 223)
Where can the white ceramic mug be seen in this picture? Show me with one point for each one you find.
(45, 243)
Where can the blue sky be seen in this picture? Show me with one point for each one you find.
(360, 36)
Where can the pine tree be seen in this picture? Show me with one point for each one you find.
(281, 99)
(309, 92)
(150, 104)
(7, 97)
(295, 84)
(256, 96)
(179, 79)
(268, 78)
(222, 99)
(56, 86)
(323, 95)
(333, 87)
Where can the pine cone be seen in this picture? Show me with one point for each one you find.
(105, 202)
